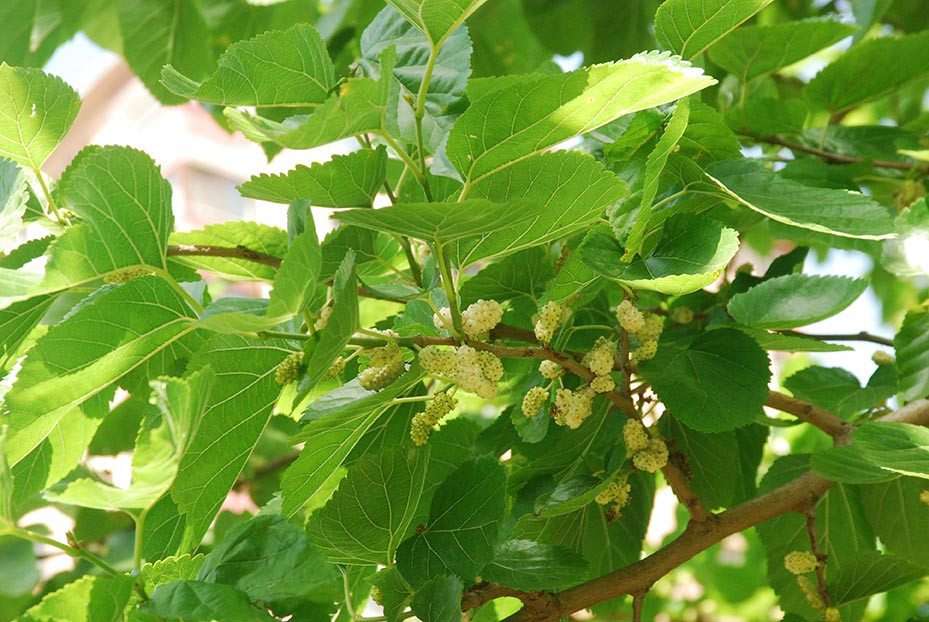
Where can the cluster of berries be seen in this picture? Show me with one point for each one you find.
(385, 366)
(475, 371)
(480, 318)
(600, 361)
(551, 316)
(324, 314)
(647, 453)
(423, 422)
(124, 275)
(645, 326)
(335, 370)
(924, 496)
(572, 407)
(800, 563)
(617, 494)
(289, 369)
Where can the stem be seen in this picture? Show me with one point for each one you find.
(837, 158)
(348, 595)
(862, 336)
(196, 306)
(48, 198)
(810, 516)
(279, 334)
(137, 541)
(403, 155)
(237, 252)
(449, 285)
(419, 111)
(410, 399)
(815, 416)
(70, 550)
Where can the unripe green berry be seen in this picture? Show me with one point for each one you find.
(831, 614)
(124, 275)
(600, 359)
(551, 316)
(882, 358)
(635, 435)
(617, 491)
(443, 319)
(653, 458)
(335, 370)
(376, 595)
(324, 314)
(652, 329)
(420, 430)
(602, 384)
(800, 562)
(629, 317)
(646, 351)
(809, 592)
(533, 400)
(550, 370)
(682, 315)
(289, 369)
(924, 496)
(438, 362)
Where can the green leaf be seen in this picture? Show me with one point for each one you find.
(795, 300)
(843, 534)
(871, 573)
(438, 600)
(164, 32)
(502, 128)
(237, 412)
(16, 322)
(688, 27)
(13, 196)
(125, 206)
(19, 573)
(899, 518)
(269, 559)
(869, 70)
(445, 97)
(351, 180)
(521, 274)
(295, 285)
(174, 568)
(337, 424)
(757, 50)
(891, 447)
(89, 599)
(395, 593)
(838, 212)
(359, 107)
(442, 222)
(436, 18)
(200, 601)
(836, 390)
(162, 442)
(264, 239)
(691, 254)
(531, 566)
(673, 132)
(912, 346)
(571, 189)
(371, 511)
(711, 460)
(343, 321)
(461, 532)
(717, 382)
(36, 111)
(15, 29)
(279, 68)
(117, 331)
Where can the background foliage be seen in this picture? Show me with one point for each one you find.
(599, 207)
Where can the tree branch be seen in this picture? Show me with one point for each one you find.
(822, 419)
(795, 496)
(862, 336)
(833, 157)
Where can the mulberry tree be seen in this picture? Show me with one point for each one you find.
(557, 355)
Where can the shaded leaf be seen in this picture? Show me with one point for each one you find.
(200, 601)
(912, 346)
(530, 566)
(439, 600)
(795, 300)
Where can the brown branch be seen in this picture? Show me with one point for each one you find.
(794, 496)
(862, 336)
(814, 415)
(810, 518)
(229, 252)
(836, 158)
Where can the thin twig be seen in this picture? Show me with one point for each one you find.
(862, 336)
(810, 519)
(837, 158)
